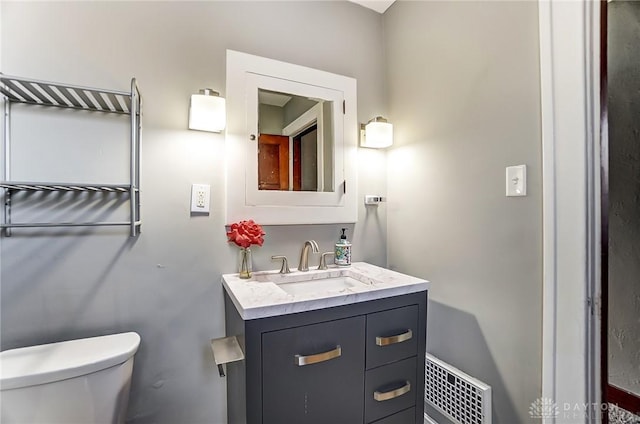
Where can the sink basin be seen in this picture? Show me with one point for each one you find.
(325, 285)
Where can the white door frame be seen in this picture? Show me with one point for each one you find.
(570, 81)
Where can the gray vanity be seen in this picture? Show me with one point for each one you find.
(343, 345)
(333, 346)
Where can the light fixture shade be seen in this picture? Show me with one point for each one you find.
(207, 112)
(378, 134)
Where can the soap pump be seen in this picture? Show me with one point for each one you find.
(343, 250)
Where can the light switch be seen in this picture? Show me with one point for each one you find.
(517, 180)
(200, 198)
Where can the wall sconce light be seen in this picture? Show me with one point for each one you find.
(207, 111)
(376, 134)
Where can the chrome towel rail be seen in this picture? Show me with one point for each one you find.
(45, 93)
(35, 186)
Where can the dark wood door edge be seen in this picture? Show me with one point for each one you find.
(604, 210)
(622, 398)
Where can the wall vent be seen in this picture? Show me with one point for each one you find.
(458, 396)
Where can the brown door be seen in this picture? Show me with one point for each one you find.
(297, 161)
(273, 162)
(297, 164)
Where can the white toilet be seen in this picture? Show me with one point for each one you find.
(74, 382)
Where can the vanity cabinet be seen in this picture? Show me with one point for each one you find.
(308, 371)
(356, 363)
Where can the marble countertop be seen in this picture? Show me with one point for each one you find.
(261, 296)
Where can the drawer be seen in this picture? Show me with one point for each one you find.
(392, 335)
(389, 389)
(314, 373)
(408, 416)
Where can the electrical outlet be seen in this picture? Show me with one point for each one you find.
(200, 198)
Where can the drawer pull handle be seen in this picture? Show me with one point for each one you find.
(399, 338)
(318, 357)
(382, 396)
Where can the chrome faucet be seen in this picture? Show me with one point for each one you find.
(323, 260)
(284, 269)
(304, 255)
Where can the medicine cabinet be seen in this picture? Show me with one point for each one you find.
(291, 143)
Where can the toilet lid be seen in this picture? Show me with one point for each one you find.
(42, 364)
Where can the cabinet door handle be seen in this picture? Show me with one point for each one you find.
(382, 396)
(398, 338)
(301, 361)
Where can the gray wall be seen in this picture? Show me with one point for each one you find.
(624, 195)
(463, 95)
(328, 146)
(464, 99)
(296, 107)
(309, 160)
(166, 283)
(270, 119)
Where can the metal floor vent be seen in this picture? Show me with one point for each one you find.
(458, 396)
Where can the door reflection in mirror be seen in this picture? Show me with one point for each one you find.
(295, 145)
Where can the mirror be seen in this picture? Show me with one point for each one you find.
(291, 143)
(295, 142)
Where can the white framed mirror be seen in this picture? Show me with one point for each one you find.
(291, 143)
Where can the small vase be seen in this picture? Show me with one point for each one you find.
(245, 262)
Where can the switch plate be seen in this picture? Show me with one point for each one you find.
(516, 180)
(200, 198)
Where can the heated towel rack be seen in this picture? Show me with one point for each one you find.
(52, 94)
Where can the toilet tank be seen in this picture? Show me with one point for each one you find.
(78, 381)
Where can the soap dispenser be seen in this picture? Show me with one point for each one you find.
(343, 250)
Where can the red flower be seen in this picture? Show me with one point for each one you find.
(246, 233)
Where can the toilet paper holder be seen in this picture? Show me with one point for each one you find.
(226, 350)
